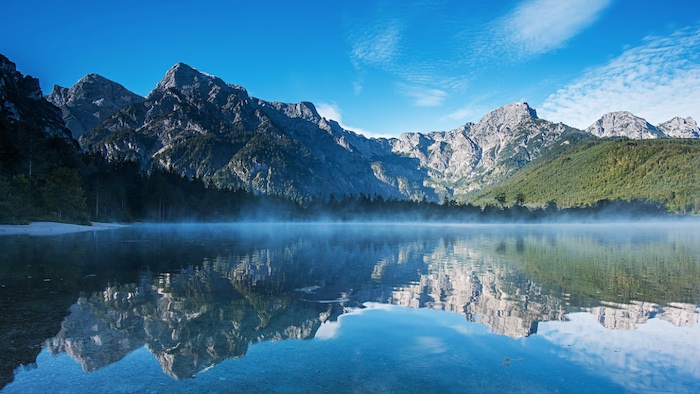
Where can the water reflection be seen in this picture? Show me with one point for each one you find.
(195, 297)
(190, 321)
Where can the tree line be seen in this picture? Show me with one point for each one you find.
(49, 178)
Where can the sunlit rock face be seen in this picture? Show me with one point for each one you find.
(90, 101)
(624, 124)
(198, 125)
(680, 128)
(476, 155)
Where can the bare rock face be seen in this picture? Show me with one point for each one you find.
(21, 101)
(198, 125)
(475, 155)
(680, 128)
(624, 124)
(90, 101)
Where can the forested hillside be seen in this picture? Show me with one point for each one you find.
(664, 170)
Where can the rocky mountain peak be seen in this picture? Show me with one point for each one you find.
(90, 101)
(304, 110)
(6, 66)
(11, 79)
(680, 128)
(182, 76)
(505, 117)
(21, 101)
(93, 78)
(624, 124)
(189, 80)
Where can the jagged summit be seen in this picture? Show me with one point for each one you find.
(624, 124)
(92, 77)
(90, 101)
(305, 110)
(22, 103)
(181, 77)
(505, 117)
(680, 128)
(7, 66)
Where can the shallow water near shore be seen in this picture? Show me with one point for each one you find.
(353, 308)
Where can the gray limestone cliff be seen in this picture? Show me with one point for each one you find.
(90, 101)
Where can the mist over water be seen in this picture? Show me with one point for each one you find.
(197, 305)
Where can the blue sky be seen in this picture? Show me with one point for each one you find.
(383, 67)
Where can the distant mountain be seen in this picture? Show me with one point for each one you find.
(624, 124)
(680, 128)
(90, 101)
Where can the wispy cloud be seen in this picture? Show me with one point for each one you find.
(377, 45)
(423, 96)
(472, 111)
(537, 27)
(657, 80)
(333, 112)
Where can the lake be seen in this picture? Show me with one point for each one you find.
(353, 308)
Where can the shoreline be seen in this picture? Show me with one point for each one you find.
(54, 228)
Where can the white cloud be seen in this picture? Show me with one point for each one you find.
(536, 27)
(423, 96)
(333, 112)
(657, 80)
(329, 111)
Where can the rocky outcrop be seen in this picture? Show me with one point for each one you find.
(624, 124)
(90, 101)
(200, 126)
(466, 159)
(22, 103)
(680, 128)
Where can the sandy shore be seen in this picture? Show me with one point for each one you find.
(52, 228)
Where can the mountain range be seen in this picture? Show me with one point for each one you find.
(198, 125)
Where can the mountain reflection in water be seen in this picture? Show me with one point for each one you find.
(214, 309)
(196, 296)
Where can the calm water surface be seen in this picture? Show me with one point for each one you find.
(352, 308)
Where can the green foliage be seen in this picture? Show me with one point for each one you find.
(63, 196)
(666, 171)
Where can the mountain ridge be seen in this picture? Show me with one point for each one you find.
(198, 125)
(319, 157)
